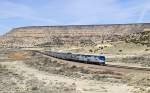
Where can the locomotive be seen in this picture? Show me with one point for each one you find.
(77, 57)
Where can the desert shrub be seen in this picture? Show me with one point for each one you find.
(90, 50)
(57, 41)
(120, 50)
(146, 49)
(144, 61)
(87, 42)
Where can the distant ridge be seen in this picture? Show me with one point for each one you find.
(84, 25)
(32, 36)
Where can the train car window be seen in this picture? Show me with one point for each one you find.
(89, 55)
(69, 53)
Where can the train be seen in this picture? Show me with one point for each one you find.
(97, 59)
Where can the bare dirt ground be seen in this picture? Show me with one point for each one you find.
(29, 72)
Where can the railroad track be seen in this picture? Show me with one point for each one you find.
(128, 67)
(107, 65)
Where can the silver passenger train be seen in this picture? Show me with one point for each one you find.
(77, 57)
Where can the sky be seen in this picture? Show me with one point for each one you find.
(18, 13)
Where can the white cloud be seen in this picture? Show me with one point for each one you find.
(17, 10)
(64, 12)
(107, 11)
(145, 10)
(78, 11)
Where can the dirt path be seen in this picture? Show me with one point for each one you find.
(73, 85)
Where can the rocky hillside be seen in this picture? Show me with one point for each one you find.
(139, 38)
(75, 34)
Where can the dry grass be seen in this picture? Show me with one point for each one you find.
(17, 55)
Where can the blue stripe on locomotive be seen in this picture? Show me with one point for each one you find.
(102, 58)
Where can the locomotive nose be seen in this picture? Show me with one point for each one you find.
(102, 59)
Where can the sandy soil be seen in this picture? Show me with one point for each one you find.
(73, 85)
(35, 73)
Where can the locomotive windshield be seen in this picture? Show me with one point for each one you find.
(101, 58)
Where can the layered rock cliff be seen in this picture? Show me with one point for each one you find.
(74, 34)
